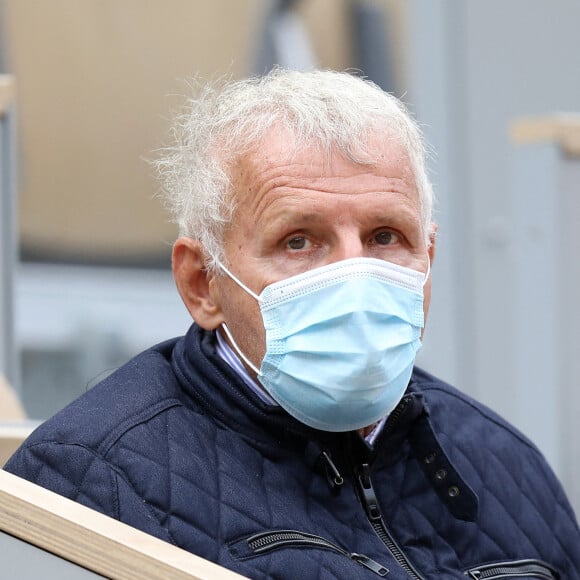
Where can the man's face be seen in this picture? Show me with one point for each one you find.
(303, 210)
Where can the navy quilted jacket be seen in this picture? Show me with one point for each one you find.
(174, 443)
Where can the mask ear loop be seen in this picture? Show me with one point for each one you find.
(238, 282)
(428, 273)
(238, 349)
(225, 326)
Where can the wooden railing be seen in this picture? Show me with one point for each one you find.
(561, 129)
(43, 534)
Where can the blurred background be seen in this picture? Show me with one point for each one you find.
(86, 94)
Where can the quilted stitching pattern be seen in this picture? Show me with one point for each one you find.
(516, 489)
(164, 460)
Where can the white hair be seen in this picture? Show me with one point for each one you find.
(336, 110)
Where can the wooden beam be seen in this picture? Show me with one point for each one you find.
(10, 405)
(561, 128)
(7, 91)
(12, 435)
(93, 540)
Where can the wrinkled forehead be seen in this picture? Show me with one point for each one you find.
(281, 146)
(276, 172)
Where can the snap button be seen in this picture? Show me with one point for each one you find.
(453, 491)
(430, 458)
(440, 474)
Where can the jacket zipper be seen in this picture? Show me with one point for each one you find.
(267, 541)
(522, 568)
(371, 505)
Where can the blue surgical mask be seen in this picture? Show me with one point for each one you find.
(341, 341)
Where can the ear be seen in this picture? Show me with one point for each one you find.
(195, 285)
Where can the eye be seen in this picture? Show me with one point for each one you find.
(297, 243)
(385, 238)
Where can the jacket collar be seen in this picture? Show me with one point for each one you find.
(451, 487)
(217, 390)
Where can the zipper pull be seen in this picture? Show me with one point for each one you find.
(367, 493)
(320, 460)
(333, 476)
(370, 502)
(369, 563)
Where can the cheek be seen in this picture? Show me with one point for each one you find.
(244, 319)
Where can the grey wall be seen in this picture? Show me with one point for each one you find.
(473, 68)
(23, 560)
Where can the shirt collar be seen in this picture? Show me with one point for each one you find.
(228, 355)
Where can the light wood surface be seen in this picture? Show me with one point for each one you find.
(561, 128)
(97, 81)
(12, 435)
(10, 405)
(92, 540)
(6, 92)
(14, 428)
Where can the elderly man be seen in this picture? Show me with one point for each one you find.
(288, 434)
